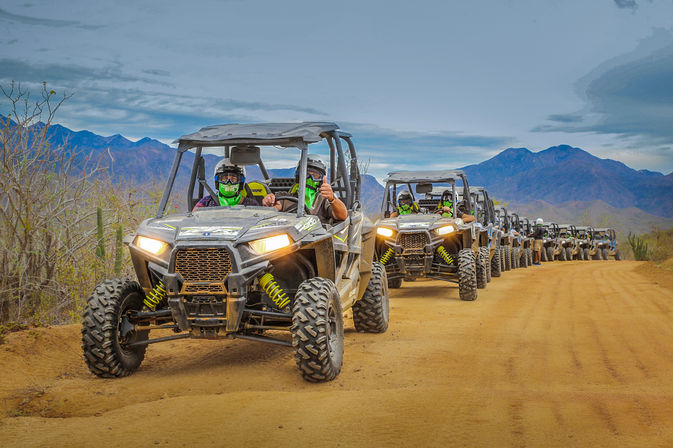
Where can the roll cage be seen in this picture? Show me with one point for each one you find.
(241, 143)
(423, 179)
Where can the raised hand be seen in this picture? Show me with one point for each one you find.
(326, 189)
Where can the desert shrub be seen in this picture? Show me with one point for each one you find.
(639, 247)
(49, 196)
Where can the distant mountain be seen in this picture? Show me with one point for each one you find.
(562, 173)
(558, 176)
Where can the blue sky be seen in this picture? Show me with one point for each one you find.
(425, 84)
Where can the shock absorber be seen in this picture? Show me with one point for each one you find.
(448, 259)
(273, 290)
(155, 296)
(386, 256)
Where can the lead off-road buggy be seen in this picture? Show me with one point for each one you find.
(429, 244)
(246, 272)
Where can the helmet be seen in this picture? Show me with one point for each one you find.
(447, 196)
(227, 187)
(313, 165)
(404, 198)
(538, 222)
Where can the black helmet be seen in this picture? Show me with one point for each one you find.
(312, 162)
(447, 196)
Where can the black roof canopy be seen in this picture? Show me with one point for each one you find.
(424, 176)
(280, 134)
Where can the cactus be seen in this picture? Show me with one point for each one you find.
(639, 247)
(100, 249)
(118, 251)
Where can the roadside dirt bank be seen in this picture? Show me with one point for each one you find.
(565, 354)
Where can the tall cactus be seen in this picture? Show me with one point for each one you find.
(118, 251)
(639, 247)
(100, 248)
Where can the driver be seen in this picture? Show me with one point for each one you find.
(319, 197)
(445, 208)
(405, 205)
(229, 184)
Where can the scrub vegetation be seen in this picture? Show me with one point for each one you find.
(60, 216)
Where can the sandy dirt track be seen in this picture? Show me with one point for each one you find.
(566, 354)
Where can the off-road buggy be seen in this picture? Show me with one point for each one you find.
(485, 214)
(583, 236)
(509, 241)
(522, 232)
(606, 242)
(246, 272)
(428, 244)
(549, 241)
(566, 245)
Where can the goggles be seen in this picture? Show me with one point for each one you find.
(228, 178)
(314, 175)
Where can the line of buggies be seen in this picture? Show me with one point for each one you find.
(449, 230)
(284, 275)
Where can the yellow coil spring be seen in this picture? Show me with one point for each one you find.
(156, 295)
(386, 257)
(274, 291)
(445, 255)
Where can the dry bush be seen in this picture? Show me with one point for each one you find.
(48, 200)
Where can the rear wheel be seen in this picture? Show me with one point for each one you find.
(467, 275)
(371, 312)
(318, 330)
(543, 254)
(604, 254)
(618, 255)
(523, 260)
(107, 332)
(482, 267)
(550, 253)
(395, 283)
(563, 254)
(495, 263)
(585, 254)
(508, 258)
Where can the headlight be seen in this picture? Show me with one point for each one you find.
(271, 243)
(445, 230)
(385, 231)
(151, 245)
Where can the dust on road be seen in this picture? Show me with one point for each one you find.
(566, 354)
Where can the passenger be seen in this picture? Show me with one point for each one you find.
(445, 208)
(538, 236)
(319, 197)
(229, 184)
(405, 205)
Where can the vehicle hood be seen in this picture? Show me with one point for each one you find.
(417, 222)
(229, 224)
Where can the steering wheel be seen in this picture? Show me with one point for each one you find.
(293, 207)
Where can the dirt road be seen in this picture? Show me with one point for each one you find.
(566, 354)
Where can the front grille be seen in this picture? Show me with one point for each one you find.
(414, 241)
(203, 270)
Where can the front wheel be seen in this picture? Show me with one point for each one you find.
(495, 263)
(318, 330)
(618, 255)
(467, 275)
(550, 253)
(107, 332)
(482, 267)
(372, 311)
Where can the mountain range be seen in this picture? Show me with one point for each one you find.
(562, 173)
(555, 177)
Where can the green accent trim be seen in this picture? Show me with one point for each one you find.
(342, 240)
(229, 202)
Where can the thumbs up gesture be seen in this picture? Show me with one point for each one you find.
(326, 189)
